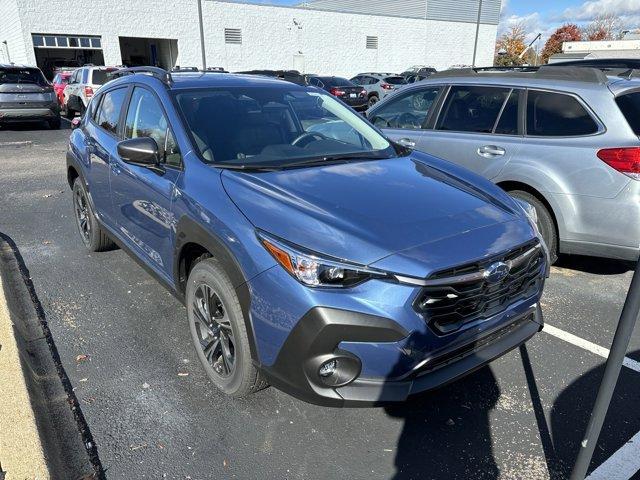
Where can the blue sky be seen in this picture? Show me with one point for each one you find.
(544, 16)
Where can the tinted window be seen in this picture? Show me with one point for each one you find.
(100, 77)
(337, 82)
(472, 109)
(630, 106)
(315, 82)
(557, 115)
(109, 111)
(145, 118)
(395, 80)
(508, 122)
(407, 111)
(22, 75)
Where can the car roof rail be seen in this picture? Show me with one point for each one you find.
(568, 73)
(157, 72)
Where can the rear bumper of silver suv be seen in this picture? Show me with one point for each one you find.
(26, 113)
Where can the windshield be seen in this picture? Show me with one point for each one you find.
(276, 126)
(22, 75)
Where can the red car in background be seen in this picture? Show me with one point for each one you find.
(60, 81)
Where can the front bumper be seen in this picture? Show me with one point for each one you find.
(326, 333)
(26, 114)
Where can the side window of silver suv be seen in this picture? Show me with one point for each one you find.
(552, 114)
(472, 108)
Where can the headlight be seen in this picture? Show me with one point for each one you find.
(311, 269)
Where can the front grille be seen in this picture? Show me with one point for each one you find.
(464, 294)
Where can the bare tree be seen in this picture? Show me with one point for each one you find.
(606, 26)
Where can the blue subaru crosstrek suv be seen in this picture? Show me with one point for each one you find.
(311, 252)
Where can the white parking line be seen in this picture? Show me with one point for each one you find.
(587, 345)
(622, 465)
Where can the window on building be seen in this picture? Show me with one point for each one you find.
(38, 41)
(551, 114)
(233, 36)
(472, 108)
(408, 111)
(62, 41)
(372, 43)
(50, 41)
(84, 42)
(508, 121)
(145, 118)
(73, 42)
(109, 110)
(96, 43)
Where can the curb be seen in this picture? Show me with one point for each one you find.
(66, 447)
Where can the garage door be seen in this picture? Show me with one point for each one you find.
(70, 51)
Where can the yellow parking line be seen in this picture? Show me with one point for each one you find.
(21, 453)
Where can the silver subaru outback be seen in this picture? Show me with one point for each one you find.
(564, 139)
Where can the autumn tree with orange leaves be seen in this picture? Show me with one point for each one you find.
(568, 32)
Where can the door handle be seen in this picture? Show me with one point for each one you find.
(491, 151)
(407, 142)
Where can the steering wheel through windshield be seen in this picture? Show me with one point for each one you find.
(307, 137)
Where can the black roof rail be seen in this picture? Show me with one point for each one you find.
(569, 73)
(157, 72)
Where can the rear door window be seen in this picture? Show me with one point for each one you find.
(629, 105)
(508, 121)
(395, 80)
(472, 108)
(551, 114)
(109, 110)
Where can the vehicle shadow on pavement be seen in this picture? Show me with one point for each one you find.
(572, 408)
(594, 265)
(446, 432)
(31, 126)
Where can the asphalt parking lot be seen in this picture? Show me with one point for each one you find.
(125, 345)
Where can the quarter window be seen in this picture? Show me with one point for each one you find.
(629, 104)
(408, 111)
(109, 110)
(472, 108)
(145, 118)
(551, 114)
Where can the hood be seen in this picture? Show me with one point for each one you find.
(366, 211)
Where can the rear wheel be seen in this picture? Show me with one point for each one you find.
(218, 330)
(373, 99)
(546, 225)
(69, 112)
(55, 123)
(90, 231)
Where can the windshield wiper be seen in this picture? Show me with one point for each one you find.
(246, 168)
(332, 159)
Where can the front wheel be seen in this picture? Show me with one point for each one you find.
(546, 225)
(218, 330)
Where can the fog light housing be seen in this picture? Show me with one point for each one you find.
(328, 368)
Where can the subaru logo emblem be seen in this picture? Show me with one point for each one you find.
(496, 272)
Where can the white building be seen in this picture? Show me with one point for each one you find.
(628, 47)
(339, 37)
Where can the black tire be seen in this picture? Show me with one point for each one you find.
(55, 123)
(69, 112)
(92, 235)
(546, 225)
(373, 99)
(210, 290)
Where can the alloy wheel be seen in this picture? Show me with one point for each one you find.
(213, 328)
(81, 207)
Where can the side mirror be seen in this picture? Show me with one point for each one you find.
(139, 151)
(75, 123)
